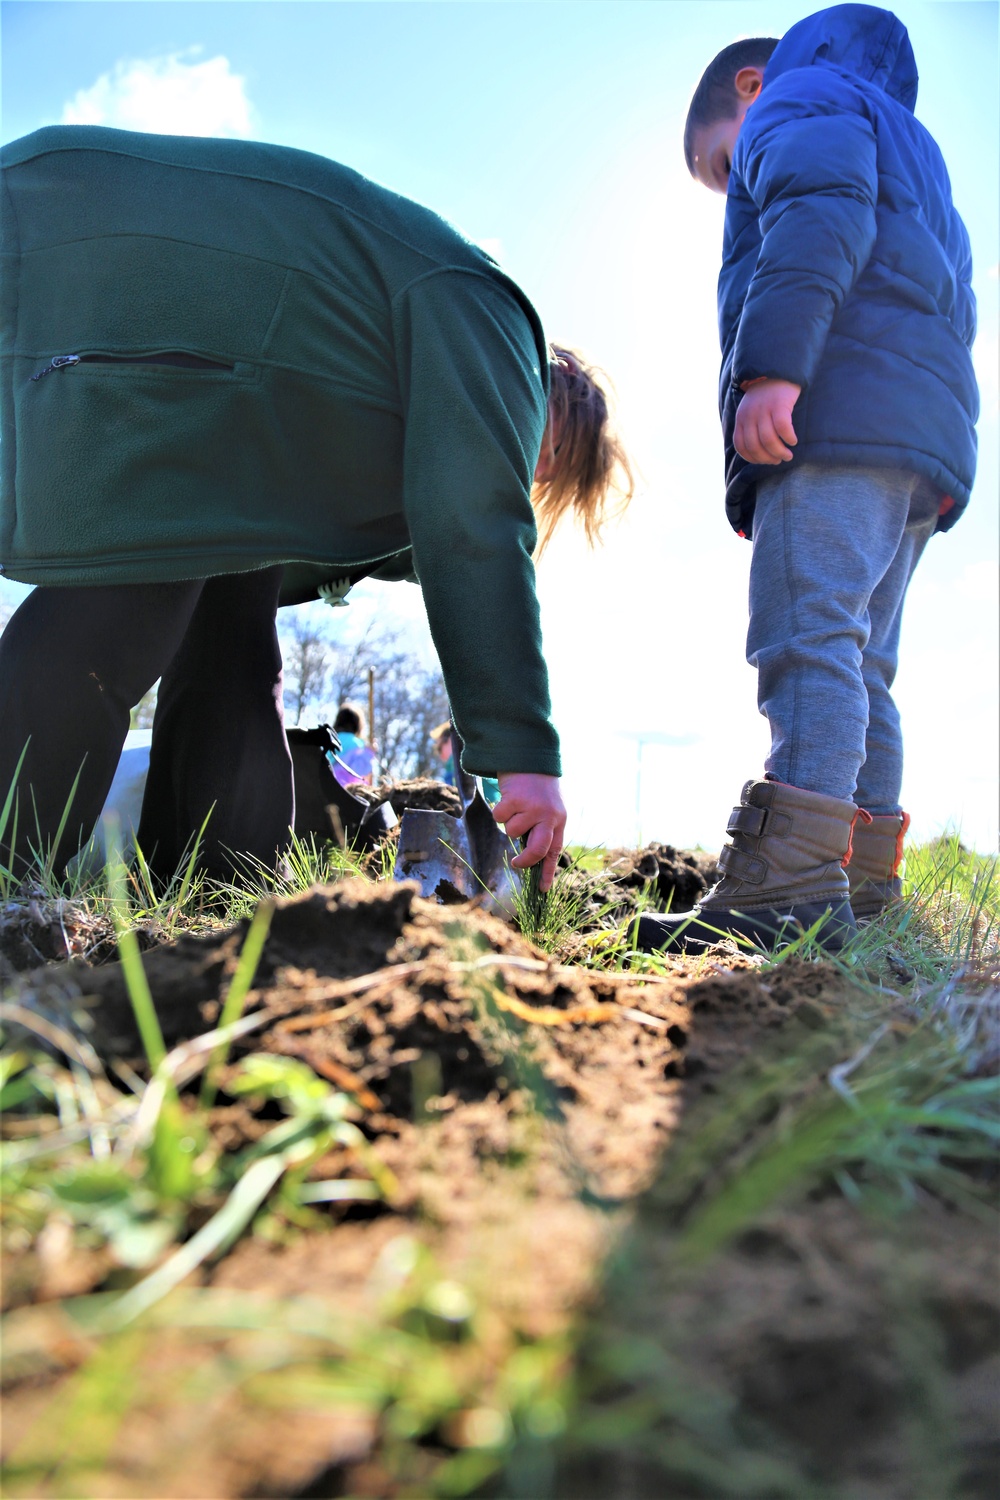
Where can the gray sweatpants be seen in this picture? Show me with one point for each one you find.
(833, 552)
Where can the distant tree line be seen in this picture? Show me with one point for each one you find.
(321, 673)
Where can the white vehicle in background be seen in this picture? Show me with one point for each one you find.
(122, 807)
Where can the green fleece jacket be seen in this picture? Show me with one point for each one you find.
(381, 405)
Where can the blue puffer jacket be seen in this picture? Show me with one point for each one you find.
(846, 268)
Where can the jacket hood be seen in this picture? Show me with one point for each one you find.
(858, 39)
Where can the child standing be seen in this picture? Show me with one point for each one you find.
(357, 759)
(848, 404)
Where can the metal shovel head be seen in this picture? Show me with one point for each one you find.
(492, 852)
(434, 850)
(455, 859)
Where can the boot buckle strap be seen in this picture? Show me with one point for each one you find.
(756, 821)
(749, 820)
(741, 866)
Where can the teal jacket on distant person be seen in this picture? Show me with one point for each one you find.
(379, 407)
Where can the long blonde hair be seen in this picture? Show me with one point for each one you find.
(589, 473)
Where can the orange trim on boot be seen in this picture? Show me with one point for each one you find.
(899, 842)
(865, 817)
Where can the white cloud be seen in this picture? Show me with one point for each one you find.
(172, 95)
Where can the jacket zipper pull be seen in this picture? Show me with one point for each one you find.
(58, 363)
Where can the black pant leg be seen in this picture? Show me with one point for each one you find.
(73, 662)
(219, 747)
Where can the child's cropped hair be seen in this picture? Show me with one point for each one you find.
(591, 465)
(350, 720)
(715, 97)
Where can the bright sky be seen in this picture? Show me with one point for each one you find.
(551, 133)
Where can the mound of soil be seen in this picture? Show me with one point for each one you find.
(658, 876)
(518, 1103)
(35, 929)
(423, 967)
(521, 1107)
(420, 791)
(682, 876)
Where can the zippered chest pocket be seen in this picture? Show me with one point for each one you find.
(169, 359)
(118, 458)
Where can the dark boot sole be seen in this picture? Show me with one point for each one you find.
(765, 927)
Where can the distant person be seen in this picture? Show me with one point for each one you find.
(849, 406)
(443, 749)
(356, 760)
(441, 740)
(236, 375)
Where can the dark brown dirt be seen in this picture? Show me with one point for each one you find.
(659, 877)
(832, 1358)
(681, 876)
(35, 930)
(517, 1146)
(418, 792)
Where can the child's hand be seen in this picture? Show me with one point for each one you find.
(764, 422)
(531, 806)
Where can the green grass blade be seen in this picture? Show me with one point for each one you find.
(136, 983)
(237, 1211)
(11, 790)
(50, 855)
(141, 996)
(232, 1008)
(188, 875)
(8, 879)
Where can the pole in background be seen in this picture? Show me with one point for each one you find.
(371, 719)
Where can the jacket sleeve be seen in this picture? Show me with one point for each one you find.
(807, 157)
(474, 410)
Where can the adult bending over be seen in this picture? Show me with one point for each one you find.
(237, 375)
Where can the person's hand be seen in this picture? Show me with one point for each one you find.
(531, 807)
(764, 433)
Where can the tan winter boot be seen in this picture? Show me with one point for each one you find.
(783, 871)
(876, 856)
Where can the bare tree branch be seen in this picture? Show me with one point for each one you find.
(306, 651)
(410, 700)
